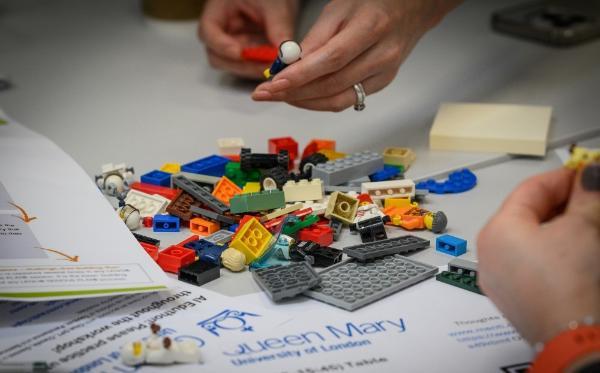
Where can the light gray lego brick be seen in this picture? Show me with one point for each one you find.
(337, 227)
(199, 193)
(200, 178)
(341, 188)
(463, 264)
(352, 284)
(352, 167)
(281, 282)
(358, 182)
(220, 237)
(377, 249)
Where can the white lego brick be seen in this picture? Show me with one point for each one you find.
(389, 189)
(367, 212)
(148, 204)
(280, 212)
(318, 207)
(230, 145)
(303, 190)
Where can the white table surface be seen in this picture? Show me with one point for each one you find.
(108, 85)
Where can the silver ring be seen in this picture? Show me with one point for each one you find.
(360, 97)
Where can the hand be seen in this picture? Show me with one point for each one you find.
(539, 256)
(227, 26)
(353, 41)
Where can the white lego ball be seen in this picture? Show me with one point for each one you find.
(289, 52)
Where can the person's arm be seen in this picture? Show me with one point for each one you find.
(539, 262)
(353, 41)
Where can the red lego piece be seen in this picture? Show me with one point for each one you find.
(323, 235)
(317, 144)
(262, 53)
(150, 249)
(147, 221)
(189, 239)
(154, 189)
(174, 257)
(284, 143)
(364, 198)
(233, 157)
(273, 224)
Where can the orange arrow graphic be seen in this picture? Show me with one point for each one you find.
(74, 258)
(24, 216)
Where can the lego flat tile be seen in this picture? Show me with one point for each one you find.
(221, 237)
(280, 212)
(352, 284)
(514, 129)
(352, 167)
(171, 168)
(199, 273)
(281, 282)
(303, 190)
(200, 193)
(396, 245)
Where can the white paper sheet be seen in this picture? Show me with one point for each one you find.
(59, 238)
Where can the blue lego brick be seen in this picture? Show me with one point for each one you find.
(386, 173)
(451, 245)
(213, 165)
(157, 177)
(233, 227)
(165, 223)
(457, 182)
(206, 251)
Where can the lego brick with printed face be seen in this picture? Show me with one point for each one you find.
(451, 245)
(377, 249)
(342, 207)
(349, 168)
(149, 205)
(265, 200)
(157, 177)
(403, 157)
(225, 189)
(199, 272)
(200, 194)
(252, 239)
(180, 205)
(212, 165)
(379, 190)
(281, 282)
(303, 190)
(352, 284)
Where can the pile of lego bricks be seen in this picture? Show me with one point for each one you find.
(279, 214)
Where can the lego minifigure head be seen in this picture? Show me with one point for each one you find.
(289, 52)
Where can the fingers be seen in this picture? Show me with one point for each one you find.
(212, 30)
(324, 28)
(539, 198)
(279, 23)
(246, 69)
(585, 197)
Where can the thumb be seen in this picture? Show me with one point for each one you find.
(279, 23)
(585, 195)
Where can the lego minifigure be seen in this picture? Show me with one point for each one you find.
(289, 52)
(130, 215)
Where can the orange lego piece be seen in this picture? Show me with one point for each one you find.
(252, 239)
(407, 217)
(203, 227)
(317, 144)
(225, 189)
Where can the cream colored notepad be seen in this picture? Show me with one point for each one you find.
(514, 129)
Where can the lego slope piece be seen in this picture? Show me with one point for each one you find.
(303, 190)
(148, 205)
(265, 200)
(451, 245)
(513, 129)
(352, 284)
(396, 245)
(212, 165)
(281, 282)
(461, 273)
(457, 182)
(380, 190)
(252, 239)
(348, 168)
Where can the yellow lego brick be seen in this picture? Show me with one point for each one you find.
(251, 187)
(171, 168)
(581, 156)
(252, 239)
(399, 202)
(332, 154)
(399, 157)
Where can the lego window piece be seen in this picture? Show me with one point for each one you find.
(342, 207)
(380, 190)
(461, 273)
(148, 205)
(457, 182)
(225, 189)
(252, 239)
(377, 249)
(174, 257)
(349, 168)
(451, 245)
(165, 223)
(282, 282)
(213, 165)
(157, 177)
(199, 272)
(402, 157)
(200, 194)
(352, 284)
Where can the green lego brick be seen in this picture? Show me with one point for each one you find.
(239, 177)
(291, 229)
(261, 201)
(400, 168)
(461, 280)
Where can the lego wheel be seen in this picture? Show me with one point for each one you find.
(283, 159)
(309, 162)
(274, 178)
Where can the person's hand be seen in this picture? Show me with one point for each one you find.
(227, 26)
(353, 41)
(539, 256)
